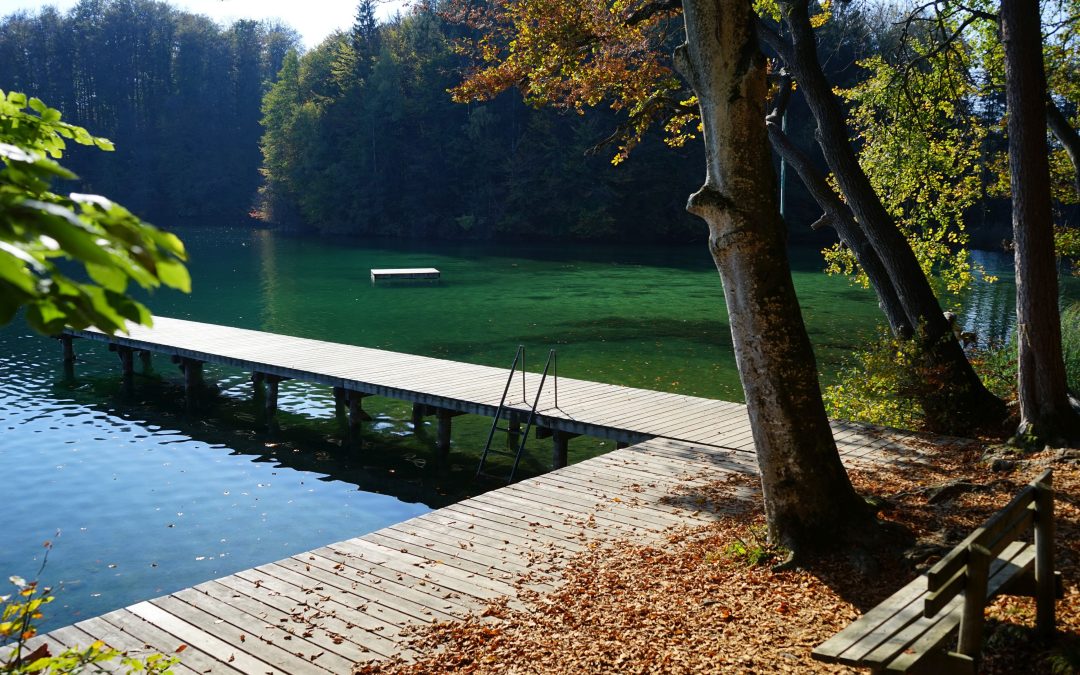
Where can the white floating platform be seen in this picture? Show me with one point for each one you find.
(405, 273)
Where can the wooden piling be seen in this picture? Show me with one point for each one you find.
(560, 441)
(272, 382)
(127, 361)
(193, 380)
(67, 341)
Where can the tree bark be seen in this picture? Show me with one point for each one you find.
(961, 402)
(809, 501)
(1067, 136)
(1045, 412)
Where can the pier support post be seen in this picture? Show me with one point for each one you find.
(513, 428)
(127, 366)
(620, 445)
(272, 382)
(560, 441)
(341, 407)
(147, 359)
(193, 380)
(127, 360)
(258, 393)
(418, 412)
(68, 344)
(442, 442)
(356, 412)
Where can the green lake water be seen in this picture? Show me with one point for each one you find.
(148, 498)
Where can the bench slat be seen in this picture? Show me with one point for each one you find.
(870, 623)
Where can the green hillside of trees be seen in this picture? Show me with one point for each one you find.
(178, 94)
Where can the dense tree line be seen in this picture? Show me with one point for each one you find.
(177, 93)
(363, 138)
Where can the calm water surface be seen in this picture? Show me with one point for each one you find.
(148, 499)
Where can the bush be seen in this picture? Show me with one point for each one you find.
(885, 383)
(1070, 344)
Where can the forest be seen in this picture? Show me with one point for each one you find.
(236, 125)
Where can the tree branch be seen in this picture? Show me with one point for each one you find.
(1067, 136)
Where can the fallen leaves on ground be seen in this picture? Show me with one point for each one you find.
(692, 603)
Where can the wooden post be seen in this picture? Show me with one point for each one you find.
(271, 396)
(442, 444)
(621, 445)
(356, 411)
(147, 359)
(193, 380)
(1045, 585)
(971, 622)
(340, 404)
(513, 426)
(127, 361)
(418, 410)
(68, 343)
(258, 395)
(560, 441)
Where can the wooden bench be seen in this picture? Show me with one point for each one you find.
(911, 630)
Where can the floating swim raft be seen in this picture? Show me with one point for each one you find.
(405, 273)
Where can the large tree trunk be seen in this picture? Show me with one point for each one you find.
(1045, 413)
(809, 501)
(962, 402)
(1067, 136)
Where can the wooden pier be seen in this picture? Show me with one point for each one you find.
(321, 611)
(406, 274)
(436, 387)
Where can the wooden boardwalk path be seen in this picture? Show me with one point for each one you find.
(320, 611)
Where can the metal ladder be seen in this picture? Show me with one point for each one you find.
(519, 363)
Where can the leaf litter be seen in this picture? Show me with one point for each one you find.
(693, 603)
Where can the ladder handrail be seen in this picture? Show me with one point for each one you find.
(523, 434)
(532, 416)
(518, 356)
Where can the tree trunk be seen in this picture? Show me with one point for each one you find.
(1067, 136)
(809, 501)
(961, 402)
(1045, 413)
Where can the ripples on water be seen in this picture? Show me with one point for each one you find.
(146, 500)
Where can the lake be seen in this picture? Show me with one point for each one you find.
(148, 499)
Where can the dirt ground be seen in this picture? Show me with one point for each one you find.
(706, 601)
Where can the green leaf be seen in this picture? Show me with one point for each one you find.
(109, 276)
(38, 105)
(174, 275)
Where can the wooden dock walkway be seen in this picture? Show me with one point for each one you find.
(321, 611)
(439, 387)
